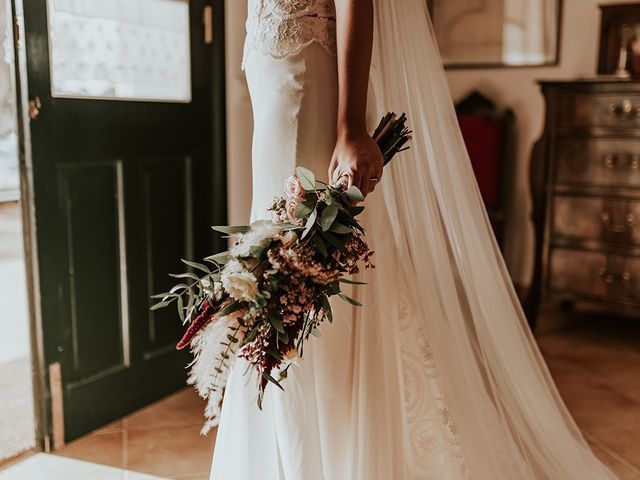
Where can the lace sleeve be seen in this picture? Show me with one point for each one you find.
(279, 28)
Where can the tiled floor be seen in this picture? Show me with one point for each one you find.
(595, 361)
(163, 440)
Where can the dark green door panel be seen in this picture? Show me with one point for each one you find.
(122, 190)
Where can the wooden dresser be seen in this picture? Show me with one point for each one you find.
(585, 184)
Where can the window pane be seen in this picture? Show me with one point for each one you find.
(120, 49)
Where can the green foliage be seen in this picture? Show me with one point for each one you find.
(307, 178)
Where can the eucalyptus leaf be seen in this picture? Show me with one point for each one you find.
(220, 258)
(311, 221)
(326, 305)
(356, 210)
(276, 321)
(351, 282)
(283, 337)
(272, 351)
(302, 210)
(320, 245)
(350, 300)
(316, 333)
(232, 229)
(181, 309)
(164, 295)
(334, 241)
(196, 265)
(190, 275)
(328, 216)
(354, 194)
(180, 286)
(268, 377)
(339, 228)
(231, 308)
(306, 177)
(160, 305)
(333, 288)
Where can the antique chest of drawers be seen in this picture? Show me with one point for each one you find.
(585, 181)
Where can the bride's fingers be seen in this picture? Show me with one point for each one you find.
(365, 185)
(355, 179)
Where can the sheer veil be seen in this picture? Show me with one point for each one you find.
(495, 382)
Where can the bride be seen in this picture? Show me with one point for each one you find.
(437, 376)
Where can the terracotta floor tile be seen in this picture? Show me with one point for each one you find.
(113, 427)
(184, 408)
(603, 413)
(595, 363)
(170, 452)
(105, 449)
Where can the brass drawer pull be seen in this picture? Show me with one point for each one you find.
(611, 277)
(624, 109)
(611, 160)
(630, 221)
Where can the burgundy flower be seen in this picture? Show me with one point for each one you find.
(202, 320)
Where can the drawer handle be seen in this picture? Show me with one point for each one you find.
(611, 160)
(624, 109)
(612, 278)
(630, 221)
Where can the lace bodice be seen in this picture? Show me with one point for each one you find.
(282, 27)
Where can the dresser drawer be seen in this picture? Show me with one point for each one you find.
(613, 221)
(599, 110)
(598, 162)
(595, 274)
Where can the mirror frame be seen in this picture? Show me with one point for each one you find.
(482, 65)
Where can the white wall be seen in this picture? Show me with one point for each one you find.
(510, 87)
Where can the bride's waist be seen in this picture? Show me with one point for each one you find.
(281, 36)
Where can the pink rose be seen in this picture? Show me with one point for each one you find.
(293, 187)
(292, 203)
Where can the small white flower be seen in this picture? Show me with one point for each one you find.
(239, 283)
(260, 235)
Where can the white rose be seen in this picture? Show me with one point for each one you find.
(239, 284)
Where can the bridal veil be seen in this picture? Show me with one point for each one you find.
(498, 390)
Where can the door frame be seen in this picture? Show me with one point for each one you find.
(218, 196)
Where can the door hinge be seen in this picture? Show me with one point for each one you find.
(16, 31)
(207, 20)
(35, 105)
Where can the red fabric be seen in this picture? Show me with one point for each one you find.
(483, 137)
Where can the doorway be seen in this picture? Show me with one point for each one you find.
(17, 425)
(123, 116)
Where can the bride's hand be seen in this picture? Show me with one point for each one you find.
(358, 157)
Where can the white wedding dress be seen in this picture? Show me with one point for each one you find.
(437, 376)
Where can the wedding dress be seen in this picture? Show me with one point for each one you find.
(436, 377)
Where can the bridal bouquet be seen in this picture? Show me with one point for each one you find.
(266, 296)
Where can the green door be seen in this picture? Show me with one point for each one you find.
(127, 156)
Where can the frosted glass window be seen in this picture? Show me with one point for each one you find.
(120, 49)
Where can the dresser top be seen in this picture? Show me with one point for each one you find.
(600, 79)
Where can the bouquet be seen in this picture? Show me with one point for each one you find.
(265, 297)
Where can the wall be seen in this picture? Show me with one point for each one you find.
(239, 120)
(516, 88)
(512, 87)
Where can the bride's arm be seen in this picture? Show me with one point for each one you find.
(356, 154)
